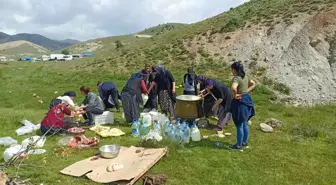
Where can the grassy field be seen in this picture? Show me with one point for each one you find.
(301, 152)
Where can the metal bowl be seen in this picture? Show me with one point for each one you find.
(109, 151)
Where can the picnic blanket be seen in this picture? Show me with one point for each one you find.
(107, 131)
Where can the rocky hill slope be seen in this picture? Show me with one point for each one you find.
(288, 45)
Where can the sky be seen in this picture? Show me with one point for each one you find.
(88, 19)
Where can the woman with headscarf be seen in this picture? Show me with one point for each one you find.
(152, 103)
(242, 107)
(166, 89)
(208, 101)
(131, 97)
(66, 98)
(190, 82)
(223, 97)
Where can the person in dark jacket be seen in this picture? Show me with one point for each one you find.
(152, 103)
(190, 82)
(108, 92)
(166, 89)
(223, 97)
(208, 101)
(91, 105)
(131, 97)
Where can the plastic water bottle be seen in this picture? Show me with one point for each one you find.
(186, 133)
(135, 128)
(195, 133)
(171, 134)
(144, 128)
(157, 127)
(167, 128)
(178, 133)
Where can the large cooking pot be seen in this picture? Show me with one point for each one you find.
(189, 107)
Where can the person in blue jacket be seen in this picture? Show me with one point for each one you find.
(108, 92)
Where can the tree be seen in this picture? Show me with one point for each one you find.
(118, 44)
(65, 52)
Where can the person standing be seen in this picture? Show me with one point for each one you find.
(107, 90)
(242, 107)
(222, 105)
(131, 97)
(190, 82)
(90, 105)
(152, 103)
(166, 90)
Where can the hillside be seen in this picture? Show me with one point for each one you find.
(21, 48)
(289, 48)
(38, 40)
(162, 28)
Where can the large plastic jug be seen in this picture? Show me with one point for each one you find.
(147, 120)
(135, 128)
(195, 133)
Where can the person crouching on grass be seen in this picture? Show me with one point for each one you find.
(53, 122)
(242, 107)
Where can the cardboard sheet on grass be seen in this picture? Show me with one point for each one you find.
(135, 165)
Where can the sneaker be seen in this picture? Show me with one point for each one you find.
(245, 145)
(236, 148)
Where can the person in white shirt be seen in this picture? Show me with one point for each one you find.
(67, 98)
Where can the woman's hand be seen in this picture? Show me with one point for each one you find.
(173, 91)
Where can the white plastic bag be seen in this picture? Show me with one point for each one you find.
(152, 135)
(37, 151)
(27, 128)
(11, 151)
(32, 140)
(7, 141)
(24, 130)
(144, 98)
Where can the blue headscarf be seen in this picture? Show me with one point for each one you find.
(135, 76)
(160, 69)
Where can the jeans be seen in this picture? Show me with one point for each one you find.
(91, 110)
(115, 95)
(242, 133)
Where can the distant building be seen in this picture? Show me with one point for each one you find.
(76, 56)
(45, 58)
(26, 59)
(88, 54)
(68, 57)
(56, 57)
(3, 59)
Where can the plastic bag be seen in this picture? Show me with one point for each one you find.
(33, 139)
(152, 135)
(144, 99)
(24, 130)
(110, 100)
(64, 141)
(7, 141)
(37, 151)
(11, 151)
(27, 128)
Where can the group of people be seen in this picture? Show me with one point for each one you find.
(158, 83)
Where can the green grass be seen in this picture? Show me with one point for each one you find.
(161, 28)
(301, 152)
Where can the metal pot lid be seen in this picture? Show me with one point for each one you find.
(188, 98)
